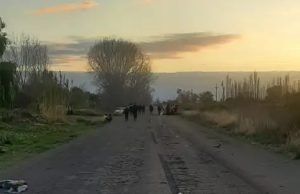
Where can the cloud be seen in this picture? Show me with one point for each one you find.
(161, 47)
(63, 53)
(65, 59)
(172, 45)
(68, 7)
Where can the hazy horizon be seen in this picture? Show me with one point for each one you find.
(165, 84)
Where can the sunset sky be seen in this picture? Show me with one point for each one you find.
(179, 35)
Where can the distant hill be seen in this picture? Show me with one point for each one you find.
(165, 84)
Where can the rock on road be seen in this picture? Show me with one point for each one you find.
(141, 157)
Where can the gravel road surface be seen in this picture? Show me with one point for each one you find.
(143, 157)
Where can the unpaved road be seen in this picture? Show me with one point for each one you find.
(141, 157)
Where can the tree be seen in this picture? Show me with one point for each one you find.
(293, 106)
(7, 83)
(123, 72)
(93, 99)
(3, 38)
(206, 97)
(274, 94)
(78, 98)
(7, 73)
(30, 56)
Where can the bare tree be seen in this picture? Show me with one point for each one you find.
(123, 72)
(3, 38)
(30, 56)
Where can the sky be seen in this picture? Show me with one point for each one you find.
(178, 35)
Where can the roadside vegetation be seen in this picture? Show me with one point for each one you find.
(39, 108)
(265, 114)
(21, 140)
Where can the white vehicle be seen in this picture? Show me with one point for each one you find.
(119, 111)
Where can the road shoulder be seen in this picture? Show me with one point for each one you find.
(270, 172)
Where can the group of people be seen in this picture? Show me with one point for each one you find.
(159, 107)
(134, 110)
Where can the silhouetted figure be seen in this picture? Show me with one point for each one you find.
(140, 109)
(135, 112)
(143, 109)
(175, 109)
(168, 109)
(150, 108)
(130, 108)
(126, 113)
(159, 109)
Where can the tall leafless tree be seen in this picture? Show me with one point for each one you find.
(3, 38)
(30, 56)
(123, 72)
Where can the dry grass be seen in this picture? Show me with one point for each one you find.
(263, 123)
(259, 127)
(221, 118)
(293, 142)
(254, 125)
(238, 123)
(54, 113)
(190, 113)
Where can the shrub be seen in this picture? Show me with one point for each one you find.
(6, 138)
(89, 121)
(85, 112)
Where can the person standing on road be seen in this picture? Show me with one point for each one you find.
(140, 109)
(168, 109)
(126, 113)
(159, 109)
(135, 112)
(151, 108)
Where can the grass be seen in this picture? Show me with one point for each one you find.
(20, 141)
(86, 112)
(259, 128)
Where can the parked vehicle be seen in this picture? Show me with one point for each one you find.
(119, 111)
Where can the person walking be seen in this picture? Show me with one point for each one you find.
(168, 109)
(143, 109)
(159, 109)
(151, 108)
(135, 112)
(140, 109)
(126, 113)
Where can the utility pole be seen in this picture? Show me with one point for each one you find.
(223, 91)
(217, 92)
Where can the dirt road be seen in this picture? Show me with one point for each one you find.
(141, 157)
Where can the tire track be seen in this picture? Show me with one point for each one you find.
(192, 172)
(169, 175)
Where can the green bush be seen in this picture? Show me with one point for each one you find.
(270, 137)
(89, 121)
(6, 138)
